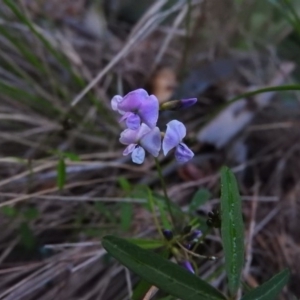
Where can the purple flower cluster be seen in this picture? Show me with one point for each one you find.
(140, 112)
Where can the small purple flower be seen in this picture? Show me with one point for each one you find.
(174, 135)
(139, 140)
(137, 107)
(187, 265)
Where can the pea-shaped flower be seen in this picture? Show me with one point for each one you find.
(137, 107)
(173, 137)
(139, 140)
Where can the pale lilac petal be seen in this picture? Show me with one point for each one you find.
(133, 121)
(152, 141)
(143, 129)
(138, 155)
(175, 132)
(129, 149)
(115, 102)
(148, 111)
(128, 136)
(183, 153)
(132, 101)
(126, 116)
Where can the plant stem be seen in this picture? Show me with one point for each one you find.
(151, 203)
(163, 184)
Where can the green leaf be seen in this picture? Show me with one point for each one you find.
(124, 184)
(160, 272)
(140, 290)
(143, 286)
(105, 211)
(71, 156)
(27, 237)
(61, 173)
(200, 197)
(232, 229)
(145, 243)
(31, 213)
(270, 289)
(126, 215)
(9, 211)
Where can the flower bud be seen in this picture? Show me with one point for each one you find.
(168, 234)
(178, 104)
(187, 265)
(195, 234)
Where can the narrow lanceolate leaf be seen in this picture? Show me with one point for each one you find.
(61, 173)
(232, 229)
(160, 272)
(270, 289)
(200, 197)
(146, 244)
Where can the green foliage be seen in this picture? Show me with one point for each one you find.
(125, 184)
(31, 213)
(143, 286)
(232, 229)
(9, 211)
(270, 289)
(282, 88)
(61, 173)
(200, 198)
(27, 237)
(146, 243)
(288, 10)
(105, 211)
(126, 215)
(140, 290)
(160, 272)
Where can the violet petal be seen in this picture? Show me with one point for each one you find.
(128, 136)
(175, 132)
(133, 121)
(185, 103)
(148, 111)
(132, 101)
(143, 129)
(129, 149)
(152, 141)
(183, 153)
(115, 102)
(125, 116)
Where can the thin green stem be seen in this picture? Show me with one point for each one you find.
(163, 184)
(151, 203)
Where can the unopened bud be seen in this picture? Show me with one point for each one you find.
(178, 104)
(195, 234)
(168, 234)
(187, 265)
